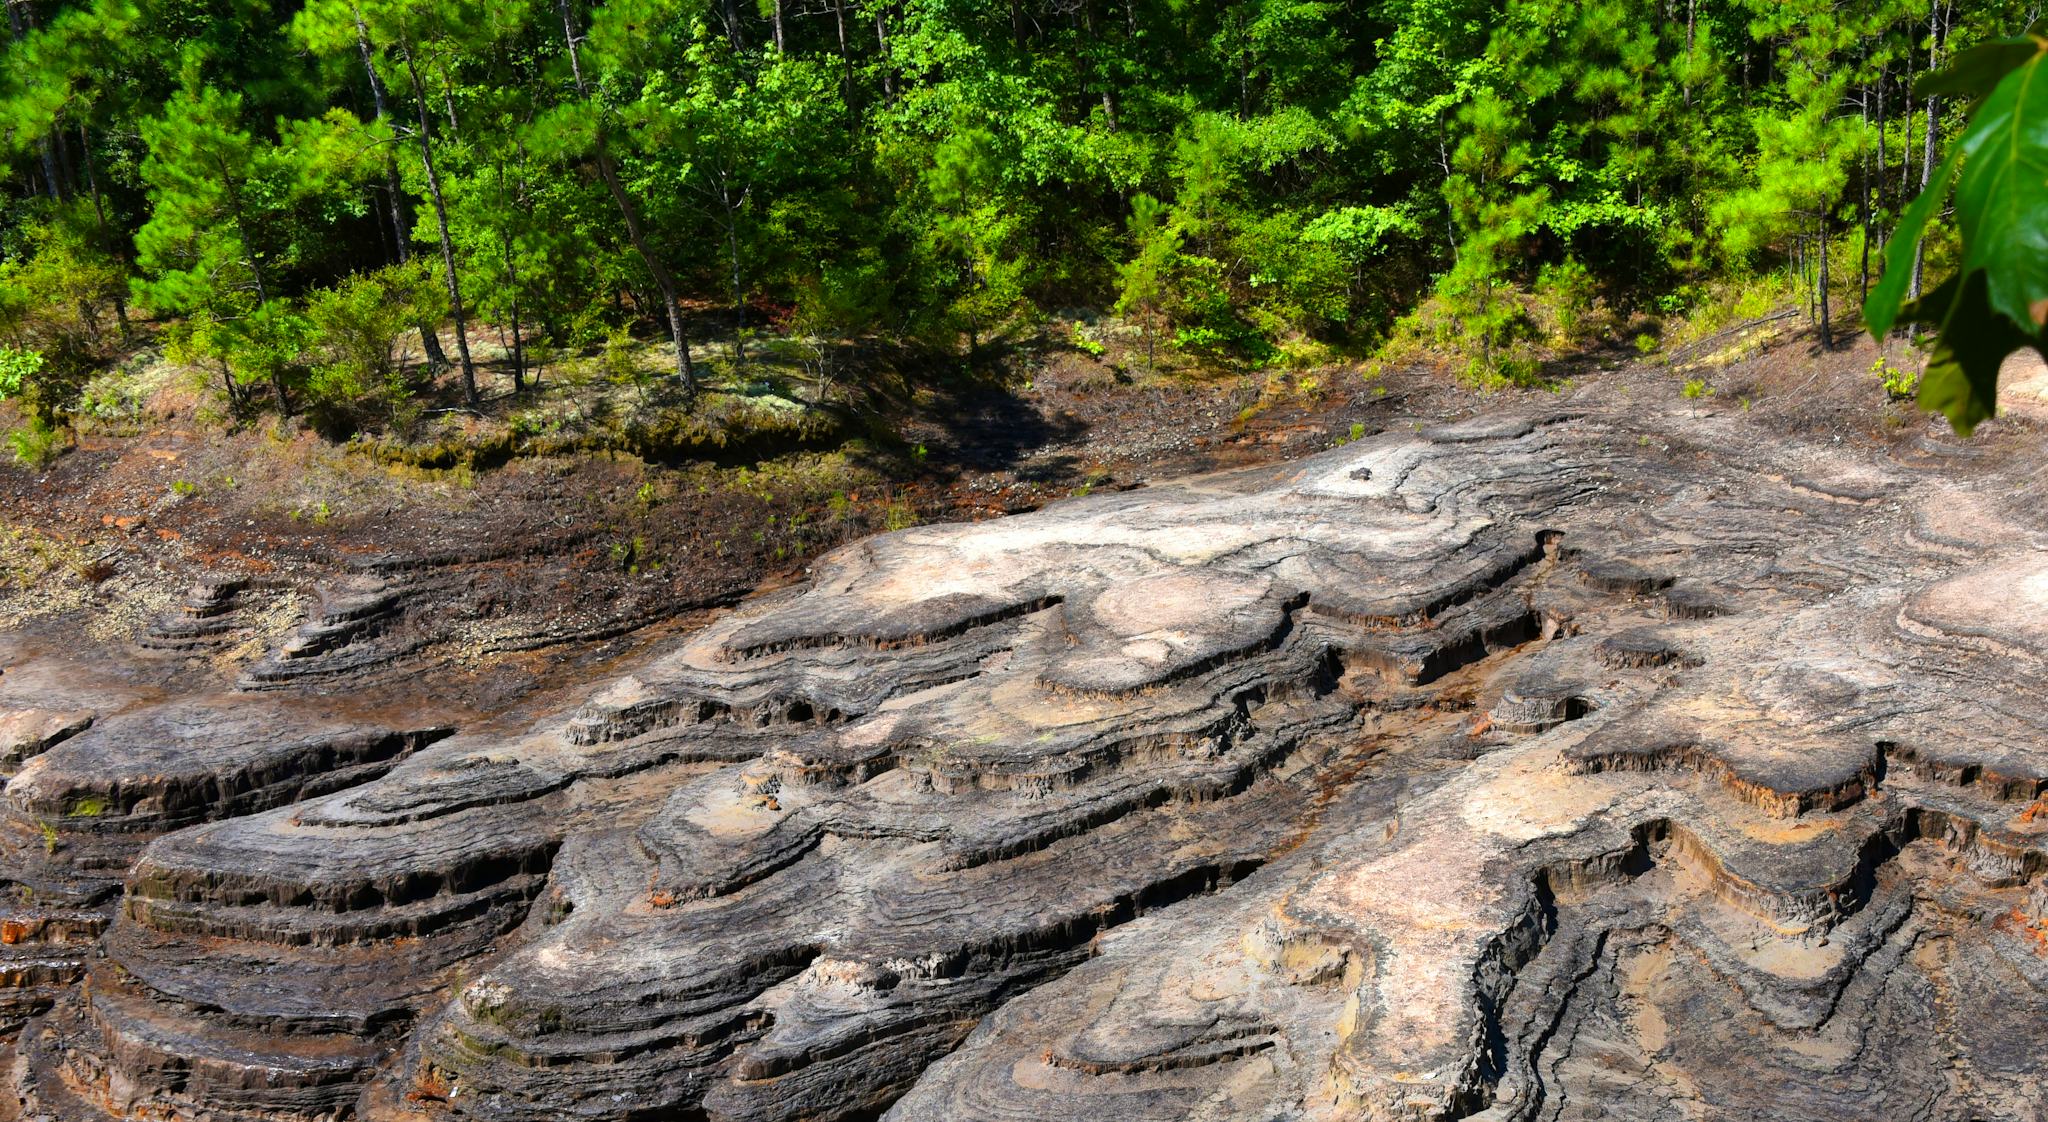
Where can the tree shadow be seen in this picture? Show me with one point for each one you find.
(987, 427)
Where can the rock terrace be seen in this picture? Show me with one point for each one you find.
(1537, 766)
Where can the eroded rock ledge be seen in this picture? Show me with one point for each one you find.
(1518, 768)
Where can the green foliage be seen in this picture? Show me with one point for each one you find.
(1997, 301)
(56, 293)
(1566, 289)
(627, 554)
(358, 338)
(37, 443)
(1155, 245)
(619, 362)
(1898, 384)
(18, 370)
(1244, 181)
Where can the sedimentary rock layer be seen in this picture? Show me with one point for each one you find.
(1516, 768)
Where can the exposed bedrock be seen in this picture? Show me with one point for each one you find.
(1507, 769)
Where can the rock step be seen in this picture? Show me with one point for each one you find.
(294, 991)
(437, 915)
(28, 733)
(115, 780)
(27, 925)
(43, 953)
(160, 1060)
(203, 622)
(339, 638)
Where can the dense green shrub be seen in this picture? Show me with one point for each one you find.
(361, 365)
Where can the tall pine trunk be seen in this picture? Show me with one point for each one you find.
(1879, 200)
(49, 159)
(99, 209)
(1863, 201)
(512, 288)
(845, 55)
(1827, 328)
(401, 226)
(732, 247)
(1927, 145)
(734, 29)
(1906, 128)
(882, 49)
(845, 52)
(419, 99)
(1090, 70)
(686, 369)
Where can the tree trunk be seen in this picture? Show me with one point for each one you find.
(512, 288)
(686, 369)
(518, 341)
(1863, 203)
(1691, 15)
(49, 160)
(1927, 146)
(1827, 331)
(448, 104)
(377, 208)
(845, 55)
(882, 47)
(1879, 199)
(1906, 128)
(1800, 291)
(734, 30)
(430, 345)
(732, 245)
(419, 98)
(973, 317)
(401, 226)
(49, 171)
(779, 48)
(1090, 71)
(1443, 155)
(99, 209)
(65, 169)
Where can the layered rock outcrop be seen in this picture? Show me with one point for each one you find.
(1524, 767)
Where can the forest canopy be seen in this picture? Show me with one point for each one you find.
(290, 188)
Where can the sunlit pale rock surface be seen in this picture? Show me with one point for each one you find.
(1542, 765)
